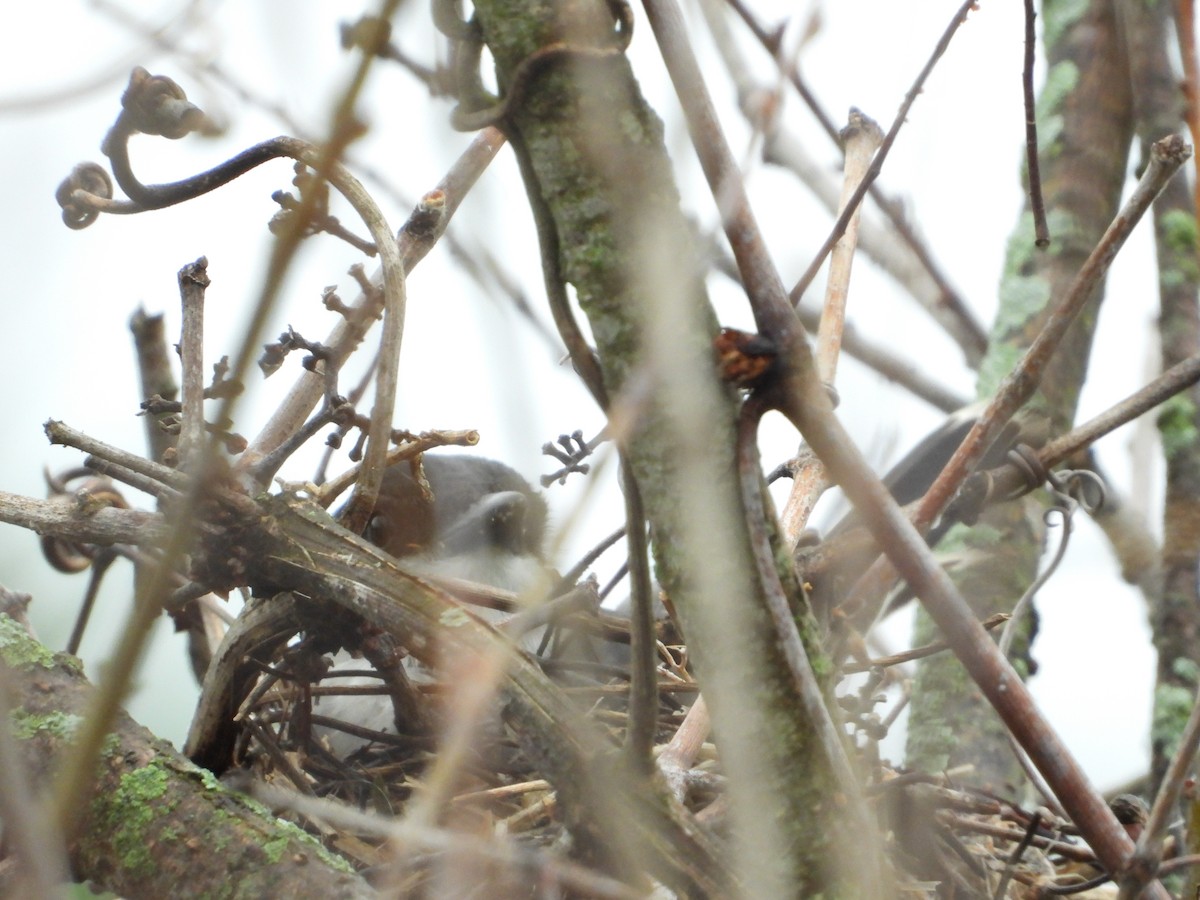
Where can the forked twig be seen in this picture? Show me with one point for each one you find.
(418, 235)
(839, 227)
(1019, 385)
(801, 398)
(1148, 855)
(946, 306)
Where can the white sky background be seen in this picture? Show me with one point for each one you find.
(469, 360)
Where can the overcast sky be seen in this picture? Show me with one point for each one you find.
(469, 360)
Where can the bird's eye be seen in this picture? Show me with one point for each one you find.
(377, 530)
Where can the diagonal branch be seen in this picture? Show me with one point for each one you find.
(802, 399)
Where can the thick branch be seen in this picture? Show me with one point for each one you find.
(61, 518)
(154, 821)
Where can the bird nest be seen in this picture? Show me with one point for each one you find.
(443, 758)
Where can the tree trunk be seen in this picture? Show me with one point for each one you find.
(600, 183)
(156, 824)
(1085, 127)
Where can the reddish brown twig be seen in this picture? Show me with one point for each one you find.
(1185, 30)
(1166, 157)
(801, 397)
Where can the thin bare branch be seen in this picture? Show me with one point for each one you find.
(939, 297)
(62, 519)
(60, 433)
(157, 378)
(861, 138)
(1036, 203)
(881, 155)
(643, 694)
(1185, 31)
(1019, 385)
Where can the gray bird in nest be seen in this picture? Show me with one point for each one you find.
(474, 520)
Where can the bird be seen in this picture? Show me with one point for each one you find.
(907, 481)
(473, 520)
(477, 520)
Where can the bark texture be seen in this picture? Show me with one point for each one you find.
(156, 825)
(1175, 616)
(600, 183)
(1085, 127)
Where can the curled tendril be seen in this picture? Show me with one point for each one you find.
(157, 105)
(92, 494)
(1071, 490)
(91, 179)
(154, 104)
(1081, 487)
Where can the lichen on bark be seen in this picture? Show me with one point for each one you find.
(592, 155)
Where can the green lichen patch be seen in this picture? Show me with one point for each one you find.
(19, 650)
(1178, 233)
(26, 725)
(1058, 16)
(1061, 81)
(1177, 425)
(1186, 670)
(1022, 298)
(1179, 230)
(1172, 706)
(128, 815)
(1001, 359)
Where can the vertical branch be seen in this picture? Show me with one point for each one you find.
(1174, 580)
(380, 430)
(156, 375)
(1150, 843)
(1036, 203)
(776, 319)
(193, 281)
(1185, 29)
(643, 687)
(861, 138)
